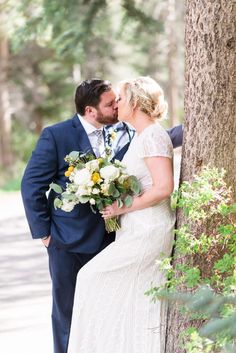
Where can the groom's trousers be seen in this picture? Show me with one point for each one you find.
(64, 267)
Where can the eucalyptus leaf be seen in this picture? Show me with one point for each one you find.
(83, 199)
(93, 209)
(128, 201)
(99, 205)
(69, 197)
(135, 185)
(120, 203)
(57, 203)
(113, 191)
(121, 188)
(74, 155)
(107, 201)
(55, 187)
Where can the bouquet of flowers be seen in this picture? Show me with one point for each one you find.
(97, 181)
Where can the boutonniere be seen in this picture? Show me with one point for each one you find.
(111, 136)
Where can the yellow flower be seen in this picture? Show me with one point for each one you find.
(67, 173)
(126, 184)
(96, 177)
(70, 169)
(113, 135)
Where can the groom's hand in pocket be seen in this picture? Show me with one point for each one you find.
(46, 240)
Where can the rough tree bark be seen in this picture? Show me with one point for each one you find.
(210, 104)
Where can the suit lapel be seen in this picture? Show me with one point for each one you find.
(81, 136)
(119, 155)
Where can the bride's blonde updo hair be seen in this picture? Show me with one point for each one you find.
(145, 93)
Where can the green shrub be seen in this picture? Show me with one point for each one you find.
(207, 243)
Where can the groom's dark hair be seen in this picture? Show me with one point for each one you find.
(89, 92)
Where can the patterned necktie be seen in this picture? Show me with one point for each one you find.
(99, 142)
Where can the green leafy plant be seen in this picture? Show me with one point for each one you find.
(205, 258)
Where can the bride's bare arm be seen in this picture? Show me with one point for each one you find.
(161, 171)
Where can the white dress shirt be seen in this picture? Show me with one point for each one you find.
(90, 129)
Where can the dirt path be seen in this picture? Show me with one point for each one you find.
(25, 299)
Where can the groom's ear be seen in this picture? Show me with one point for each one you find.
(89, 110)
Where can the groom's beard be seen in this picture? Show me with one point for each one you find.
(107, 119)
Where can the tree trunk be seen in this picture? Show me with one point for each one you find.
(5, 112)
(210, 102)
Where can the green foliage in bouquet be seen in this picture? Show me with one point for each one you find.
(204, 257)
(97, 181)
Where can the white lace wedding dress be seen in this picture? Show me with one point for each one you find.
(111, 312)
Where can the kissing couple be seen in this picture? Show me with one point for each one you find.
(99, 279)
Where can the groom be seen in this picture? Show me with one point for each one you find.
(72, 238)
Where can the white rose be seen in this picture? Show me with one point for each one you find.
(105, 188)
(109, 172)
(67, 206)
(92, 201)
(95, 191)
(81, 191)
(89, 190)
(92, 165)
(82, 177)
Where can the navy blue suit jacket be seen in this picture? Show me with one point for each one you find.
(79, 230)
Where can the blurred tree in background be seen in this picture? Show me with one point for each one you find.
(48, 46)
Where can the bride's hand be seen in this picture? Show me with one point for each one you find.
(112, 211)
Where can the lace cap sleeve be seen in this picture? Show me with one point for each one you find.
(155, 142)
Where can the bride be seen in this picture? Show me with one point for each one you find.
(111, 312)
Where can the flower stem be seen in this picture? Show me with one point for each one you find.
(112, 224)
